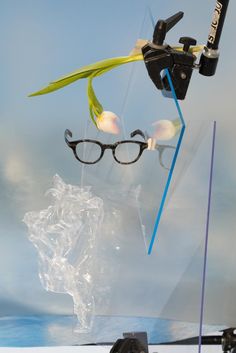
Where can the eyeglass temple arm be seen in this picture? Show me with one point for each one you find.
(66, 134)
(138, 132)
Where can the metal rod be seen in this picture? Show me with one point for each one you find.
(210, 55)
(217, 24)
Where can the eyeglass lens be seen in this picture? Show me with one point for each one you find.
(127, 152)
(88, 152)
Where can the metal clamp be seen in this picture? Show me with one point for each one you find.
(159, 56)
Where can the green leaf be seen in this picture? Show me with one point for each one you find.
(97, 107)
(92, 114)
(87, 71)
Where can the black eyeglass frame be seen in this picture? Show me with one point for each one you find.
(142, 147)
(73, 144)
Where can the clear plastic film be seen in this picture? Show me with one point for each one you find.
(79, 238)
(65, 236)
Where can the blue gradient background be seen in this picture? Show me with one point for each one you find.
(41, 41)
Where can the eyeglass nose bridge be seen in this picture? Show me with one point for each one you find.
(109, 147)
(112, 148)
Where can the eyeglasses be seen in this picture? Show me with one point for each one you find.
(125, 152)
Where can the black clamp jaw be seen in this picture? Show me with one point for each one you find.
(159, 56)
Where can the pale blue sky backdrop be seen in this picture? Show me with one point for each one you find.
(43, 40)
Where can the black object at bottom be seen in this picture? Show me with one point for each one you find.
(136, 342)
(133, 342)
(128, 345)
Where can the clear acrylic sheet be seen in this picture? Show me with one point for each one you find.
(145, 283)
(116, 263)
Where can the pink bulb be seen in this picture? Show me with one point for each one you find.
(108, 122)
(164, 130)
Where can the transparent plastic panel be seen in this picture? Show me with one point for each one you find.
(99, 270)
(158, 285)
(148, 178)
(193, 309)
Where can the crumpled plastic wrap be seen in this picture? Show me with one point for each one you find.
(65, 235)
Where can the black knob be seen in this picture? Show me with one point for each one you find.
(160, 32)
(163, 26)
(187, 42)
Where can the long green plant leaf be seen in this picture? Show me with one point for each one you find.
(87, 71)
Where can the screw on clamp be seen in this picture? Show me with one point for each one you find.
(187, 42)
